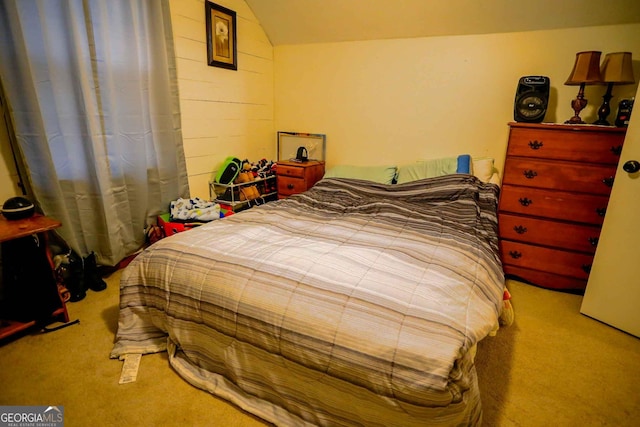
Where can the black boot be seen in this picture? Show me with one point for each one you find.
(92, 279)
(75, 280)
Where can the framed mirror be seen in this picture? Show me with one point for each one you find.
(289, 142)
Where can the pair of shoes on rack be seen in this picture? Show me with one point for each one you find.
(83, 275)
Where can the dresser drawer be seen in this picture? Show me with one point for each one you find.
(566, 263)
(546, 280)
(561, 205)
(543, 232)
(295, 171)
(288, 186)
(570, 144)
(567, 176)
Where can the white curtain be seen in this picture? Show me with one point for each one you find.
(92, 91)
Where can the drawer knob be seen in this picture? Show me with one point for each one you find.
(520, 229)
(530, 174)
(593, 241)
(535, 145)
(601, 211)
(616, 150)
(290, 186)
(608, 181)
(525, 201)
(515, 254)
(586, 268)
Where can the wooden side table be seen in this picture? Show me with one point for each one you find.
(294, 177)
(16, 229)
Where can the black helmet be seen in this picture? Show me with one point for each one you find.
(18, 208)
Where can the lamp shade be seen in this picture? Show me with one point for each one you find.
(586, 69)
(617, 68)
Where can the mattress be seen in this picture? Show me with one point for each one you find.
(353, 303)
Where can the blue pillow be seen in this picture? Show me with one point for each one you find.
(464, 163)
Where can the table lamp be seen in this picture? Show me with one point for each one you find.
(617, 69)
(586, 70)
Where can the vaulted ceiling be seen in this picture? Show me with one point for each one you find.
(323, 21)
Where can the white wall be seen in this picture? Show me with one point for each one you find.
(224, 112)
(394, 101)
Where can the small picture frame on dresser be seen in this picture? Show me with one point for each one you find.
(289, 144)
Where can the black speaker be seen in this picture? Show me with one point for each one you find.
(532, 98)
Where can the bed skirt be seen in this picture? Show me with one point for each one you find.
(287, 394)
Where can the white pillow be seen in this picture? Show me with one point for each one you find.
(495, 179)
(483, 168)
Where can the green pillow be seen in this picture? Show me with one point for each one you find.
(427, 169)
(379, 174)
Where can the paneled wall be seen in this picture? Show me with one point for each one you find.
(394, 101)
(224, 112)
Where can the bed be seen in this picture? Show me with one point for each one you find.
(354, 303)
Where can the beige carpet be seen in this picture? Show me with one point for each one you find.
(553, 366)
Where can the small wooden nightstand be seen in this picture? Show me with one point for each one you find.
(49, 296)
(294, 177)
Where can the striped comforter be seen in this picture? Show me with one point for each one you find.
(351, 304)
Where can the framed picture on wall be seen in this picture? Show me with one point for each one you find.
(221, 36)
